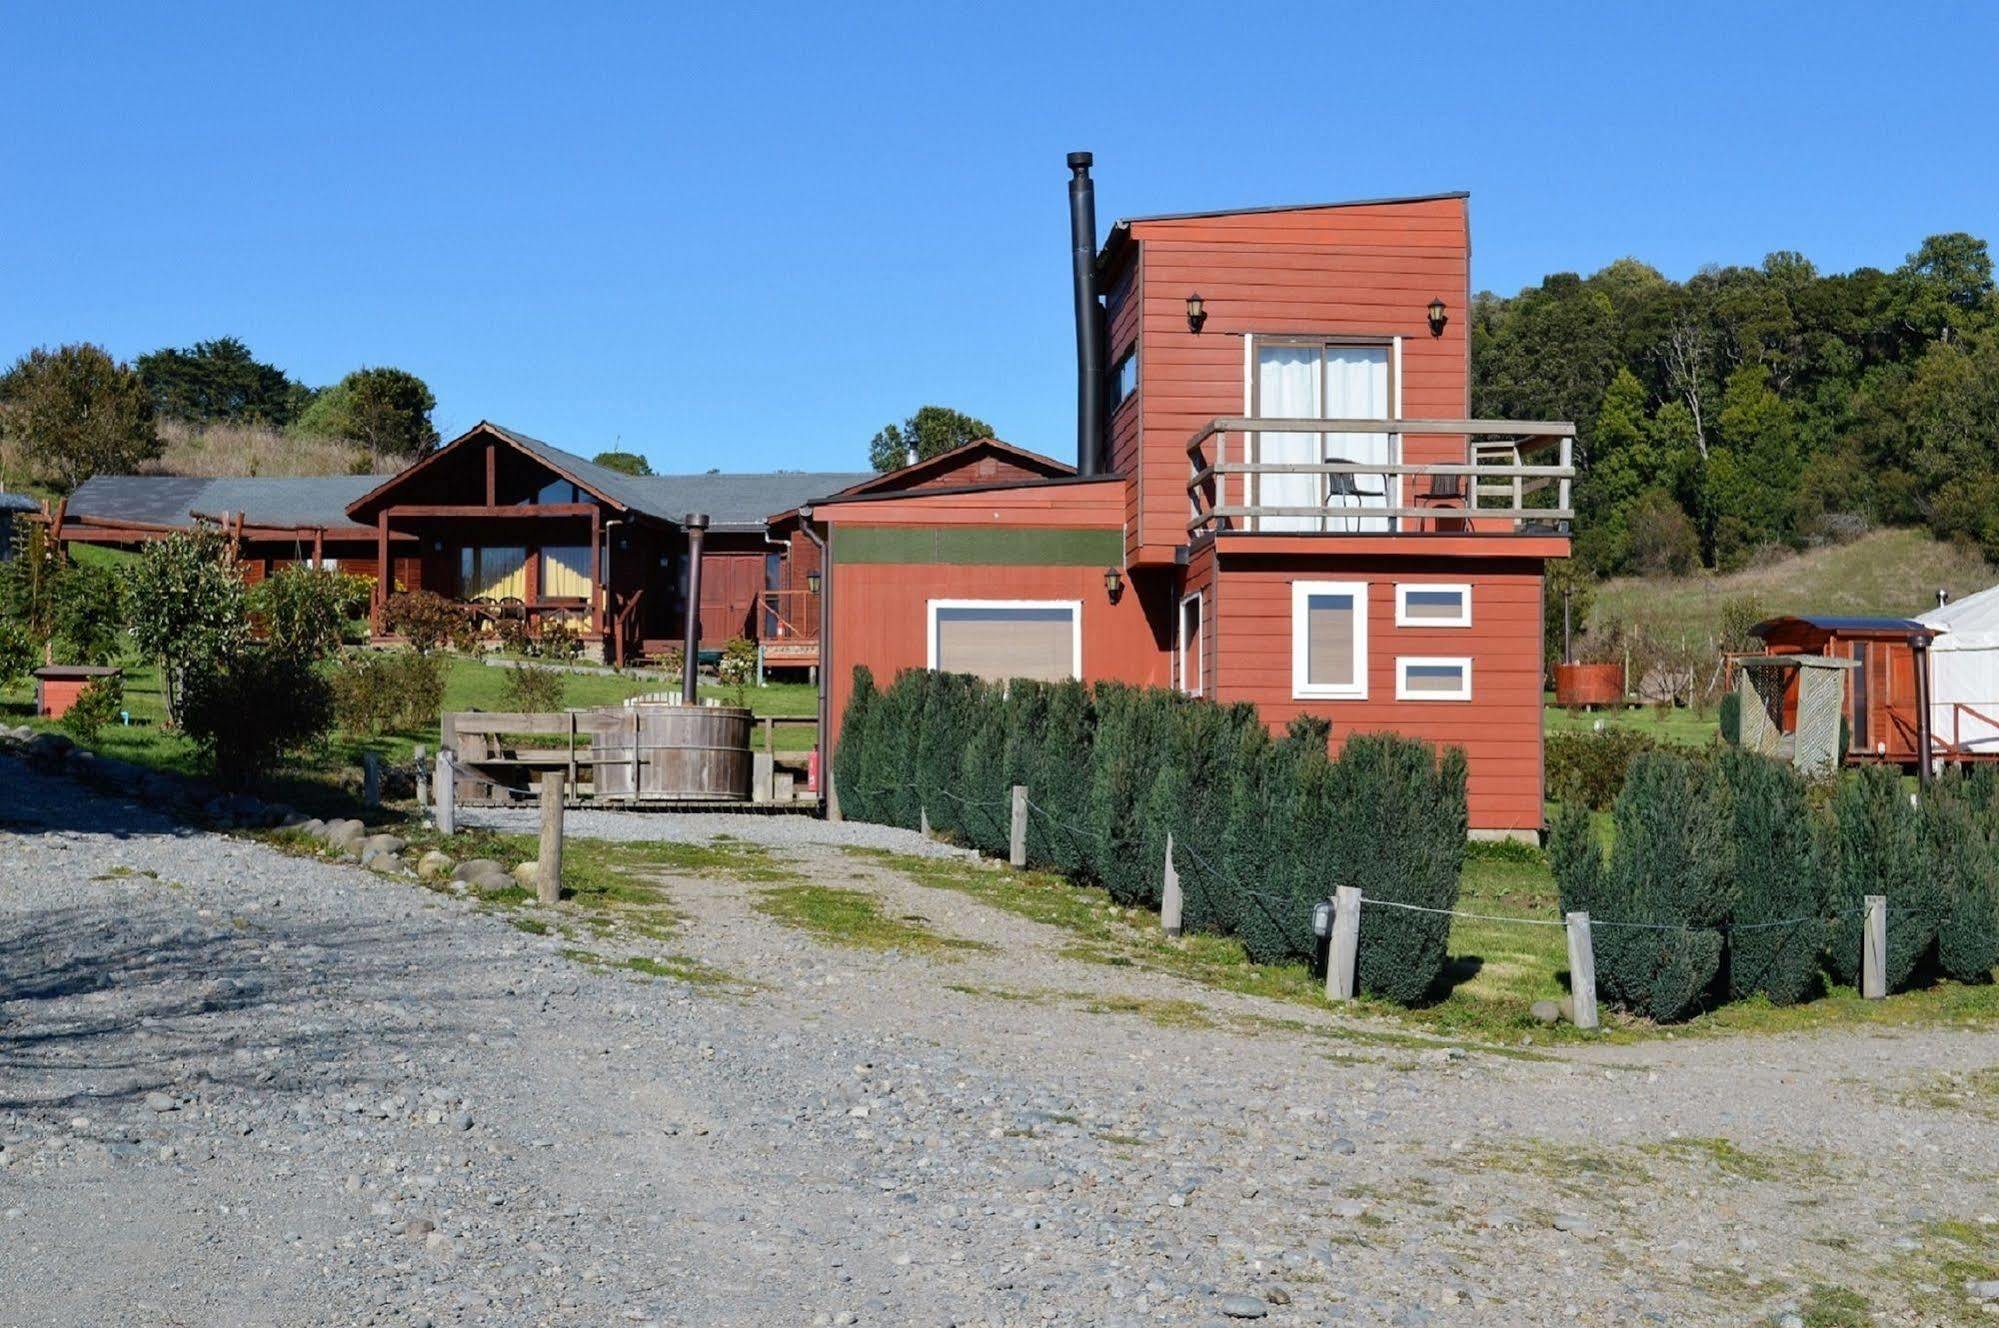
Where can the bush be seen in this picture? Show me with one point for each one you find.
(1878, 850)
(1730, 718)
(187, 606)
(423, 619)
(858, 801)
(1779, 857)
(303, 610)
(1588, 769)
(1962, 863)
(98, 704)
(672, 660)
(559, 640)
(18, 656)
(258, 708)
(1058, 772)
(531, 690)
(1277, 814)
(1399, 834)
(375, 691)
(513, 636)
(738, 666)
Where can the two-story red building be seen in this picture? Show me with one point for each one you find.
(1278, 498)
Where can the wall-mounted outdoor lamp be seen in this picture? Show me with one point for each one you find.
(1438, 317)
(812, 582)
(1113, 582)
(1197, 312)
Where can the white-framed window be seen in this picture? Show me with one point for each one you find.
(1433, 604)
(998, 639)
(1432, 678)
(1193, 645)
(1329, 640)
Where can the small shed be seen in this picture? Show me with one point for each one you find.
(1964, 676)
(1883, 693)
(58, 685)
(14, 506)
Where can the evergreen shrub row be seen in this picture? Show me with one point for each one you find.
(1744, 880)
(1262, 828)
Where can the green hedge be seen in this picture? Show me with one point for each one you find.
(1589, 768)
(1735, 878)
(1262, 830)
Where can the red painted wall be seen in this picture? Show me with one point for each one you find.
(1499, 728)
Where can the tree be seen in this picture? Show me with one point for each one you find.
(220, 380)
(75, 412)
(385, 410)
(625, 463)
(302, 610)
(187, 606)
(931, 431)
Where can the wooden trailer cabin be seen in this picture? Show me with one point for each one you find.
(1884, 708)
(1278, 497)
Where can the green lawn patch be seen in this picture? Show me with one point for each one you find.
(855, 918)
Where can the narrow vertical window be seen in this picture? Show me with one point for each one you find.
(1329, 640)
(1193, 647)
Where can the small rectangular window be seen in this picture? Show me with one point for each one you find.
(493, 572)
(1193, 654)
(1124, 378)
(1421, 678)
(1329, 639)
(1433, 605)
(1001, 639)
(565, 572)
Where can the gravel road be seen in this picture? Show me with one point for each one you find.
(244, 1088)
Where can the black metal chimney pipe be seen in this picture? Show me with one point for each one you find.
(1089, 317)
(690, 659)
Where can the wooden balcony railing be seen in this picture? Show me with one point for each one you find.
(787, 615)
(1487, 492)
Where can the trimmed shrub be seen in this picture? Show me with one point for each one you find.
(899, 738)
(1589, 768)
(424, 619)
(253, 711)
(303, 610)
(560, 639)
(1133, 747)
(1276, 831)
(941, 735)
(1779, 858)
(374, 691)
(1965, 871)
(531, 690)
(985, 817)
(1062, 775)
(857, 796)
(1878, 850)
(1398, 833)
(1729, 716)
(95, 706)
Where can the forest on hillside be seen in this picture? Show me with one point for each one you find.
(1749, 409)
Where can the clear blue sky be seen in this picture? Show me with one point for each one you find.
(747, 236)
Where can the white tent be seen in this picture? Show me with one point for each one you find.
(1964, 672)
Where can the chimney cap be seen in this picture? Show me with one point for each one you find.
(1081, 161)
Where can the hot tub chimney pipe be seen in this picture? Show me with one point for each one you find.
(1089, 316)
(690, 659)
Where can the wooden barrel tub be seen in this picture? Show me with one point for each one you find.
(684, 753)
(1589, 684)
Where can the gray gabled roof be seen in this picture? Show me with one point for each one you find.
(173, 500)
(18, 502)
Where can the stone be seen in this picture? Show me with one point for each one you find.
(472, 869)
(1574, 1224)
(387, 864)
(434, 865)
(382, 844)
(1239, 1306)
(1343, 1147)
(1546, 1012)
(157, 1101)
(1980, 1289)
(525, 874)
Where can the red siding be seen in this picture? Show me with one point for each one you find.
(1499, 728)
(1351, 271)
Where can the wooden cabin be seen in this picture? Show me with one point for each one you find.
(1883, 706)
(504, 523)
(1278, 497)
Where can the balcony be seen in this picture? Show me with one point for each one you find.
(788, 627)
(1323, 477)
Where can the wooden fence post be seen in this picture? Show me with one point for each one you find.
(447, 796)
(1016, 843)
(1582, 972)
(1874, 950)
(419, 758)
(1169, 893)
(1344, 951)
(371, 779)
(548, 872)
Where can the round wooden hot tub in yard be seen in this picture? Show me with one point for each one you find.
(694, 752)
(1589, 684)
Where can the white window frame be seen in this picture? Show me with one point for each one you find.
(1402, 618)
(1402, 663)
(1074, 606)
(1302, 690)
(1200, 662)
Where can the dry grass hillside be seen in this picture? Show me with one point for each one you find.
(248, 449)
(1891, 572)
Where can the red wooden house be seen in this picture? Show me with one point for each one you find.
(1278, 498)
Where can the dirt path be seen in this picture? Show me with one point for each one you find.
(251, 1088)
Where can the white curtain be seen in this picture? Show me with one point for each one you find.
(1287, 385)
(1357, 389)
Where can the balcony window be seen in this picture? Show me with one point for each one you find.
(492, 572)
(1000, 639)
(1433, 605)
(1329, 640)
(565, 572)
(1319, 380)
(1429, 679)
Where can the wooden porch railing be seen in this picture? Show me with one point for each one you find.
(787, 615)
(1486, 492)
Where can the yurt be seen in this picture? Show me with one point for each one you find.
(1964, 675)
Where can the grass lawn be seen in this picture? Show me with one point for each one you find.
(1675, 724)
(470, 685)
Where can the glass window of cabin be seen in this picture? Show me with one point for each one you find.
(1329, 639)
(1000, 639)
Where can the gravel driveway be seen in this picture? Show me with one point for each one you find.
(239, 1087)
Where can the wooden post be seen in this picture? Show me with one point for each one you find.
(1169, 893)
(1016, 842)
(419, 760)
(1874, 950)
(371, 779)
(447, 796)
(923, 821)
(1342, 955)
(1582, 971)
(548, 872)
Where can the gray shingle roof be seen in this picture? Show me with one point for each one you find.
(171, 500)
(18, 502)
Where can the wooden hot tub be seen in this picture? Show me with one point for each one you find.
(685, 753)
